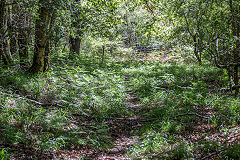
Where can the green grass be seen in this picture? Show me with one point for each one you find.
(94, 93)
(170, 90)
(4, 154)
(80, 91)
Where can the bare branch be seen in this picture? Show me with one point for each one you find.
(191, 114)
(33, 101)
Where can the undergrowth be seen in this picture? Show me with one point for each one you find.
(67, 96)
(77, 97)
(176, 95)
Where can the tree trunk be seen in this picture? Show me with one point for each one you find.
(12, 27)
(236, 33)
(47, 56)
(40, 40)
(196, 53)
(4, 46)
(23, 49)
(23, 36)
(75, 44)
(103, 53)
(48, 43)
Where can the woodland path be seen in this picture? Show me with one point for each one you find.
(123, 130)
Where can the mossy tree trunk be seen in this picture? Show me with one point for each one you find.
(4, 46)
(40, 40)
(43, 30)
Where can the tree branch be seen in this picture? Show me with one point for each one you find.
(191, 114)
(33, 101)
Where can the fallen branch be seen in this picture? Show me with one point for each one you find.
(33, 101)
(154, 119)
(191, 114)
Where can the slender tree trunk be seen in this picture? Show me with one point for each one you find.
(103, 53)
(47, 56)
(12, 27)
(40, 40)
(236, 33)
(23, 36)
(196, 50)
(48, 43)
(23, 49)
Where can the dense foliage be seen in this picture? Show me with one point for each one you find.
(119, 79)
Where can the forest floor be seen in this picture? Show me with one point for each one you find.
(123, 130)
(153, 109)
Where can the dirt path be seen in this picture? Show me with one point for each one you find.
(123, 129)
